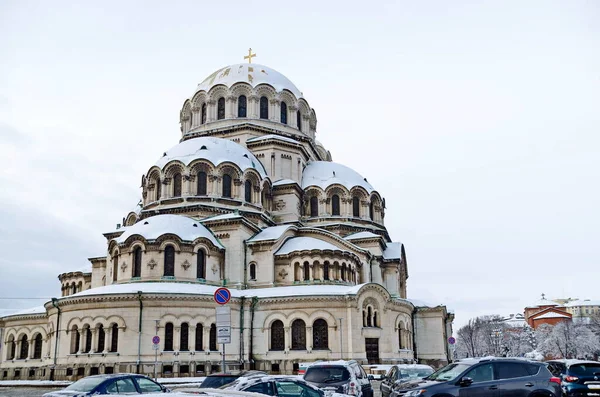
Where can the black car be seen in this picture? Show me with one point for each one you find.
(110, 384)
(214, 381)
(579, 377)
(485, 377)
(401, 373)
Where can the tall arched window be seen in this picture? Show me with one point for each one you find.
(12, 347)
(201, 184)
(248, 191)
(198, 345)
(253, 271)
(226, 185)
(343, 271)
(264, 107)
(369, 317)
(184, 337)
(114, 338)
(24, 347)
(203, 114)
(177, 185)
(242, 106)
(115, 266)
(137, 262)
(75, 337)
(314, 206)
(37, 346)
(355, 207)
(158, 189)
(191, 119)
(169, 337)
(201, 264)
(277, 336)
(306, 271)
(169, 261)
(283, 113)
(212, 340)
(335, 204)
(320, 335)
(88, 340)
(221, 108)
(326, 271)
(298, 335)
(371, 211)
(299, 120)
(101, 338)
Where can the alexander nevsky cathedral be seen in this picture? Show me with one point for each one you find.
(251, 201)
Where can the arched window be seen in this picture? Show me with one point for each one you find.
(169, 337)
(184, 337)
(283, 113)
(264, 107)
(369, 317)
(320, 335)
(191, 119)
(115, 266)
(298, 335)
(137, 262)
(37, 346)
(326, 271)
(299, 120)
(169, 261)
(198, 345)
(335, 204)
(88, 340)
(242, 106)
(355, 207)
(401, 336)
(306, 271)
(75, 337)
(343, 271)
(221, 108)
(158, 188)
(201, 185)
(177, 185)
(277, 336)
(114, 338)
(371, 212)
(12, 348)
(253, 271)
(101, 338)
(203, 114)
(201, 264)
(24, 347)
(248, 191)
(212, 340)
(314, 206)
(226, 185)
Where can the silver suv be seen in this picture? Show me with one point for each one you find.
(346, 377)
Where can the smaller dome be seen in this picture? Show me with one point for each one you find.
(326, 173)
(306, 243)
(215, 150)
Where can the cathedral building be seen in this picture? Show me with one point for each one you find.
(251, 201)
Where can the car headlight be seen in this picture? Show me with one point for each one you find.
(415, 393)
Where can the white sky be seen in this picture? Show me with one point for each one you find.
(477, 121)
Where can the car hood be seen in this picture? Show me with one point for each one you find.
(65, 393)
(416, 383)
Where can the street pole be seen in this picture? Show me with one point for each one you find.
(341, 340)
(223, 363)
(155, 350)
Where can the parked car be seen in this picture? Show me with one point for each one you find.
(485, 377)
(221, 379)
(400, 373)
(110, 384)
(283, 386)
(345, 377)
(578, 377)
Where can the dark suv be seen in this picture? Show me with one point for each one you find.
(485, 377)
(346, 377)
(579, 377)
(221, 379)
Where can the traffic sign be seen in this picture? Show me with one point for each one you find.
(156, 340)
(223, 339)
(222, 296)
(155, 347)
(451, 340)
(223, 331)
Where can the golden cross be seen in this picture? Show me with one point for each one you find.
(250, 55)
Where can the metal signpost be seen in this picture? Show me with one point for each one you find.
(155, 342)
(222, 297)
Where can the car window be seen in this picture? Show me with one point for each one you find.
(215, 382)
(391, 375)
(556, 368)
(326, 374)
(262, 388)
(148, 386)
(481, 373)
(584, 369)
(510, 370)
(357, 371)
(85, 384)
(293, 389)
(449, 372)
(122, 386)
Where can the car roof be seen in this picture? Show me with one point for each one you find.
(345, 363)
(110, 376)
(237, 373)
(413, 366)
(476, 360)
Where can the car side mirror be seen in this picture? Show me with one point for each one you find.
(370, 377)
(466, 381)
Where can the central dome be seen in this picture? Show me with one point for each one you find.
(253, 74)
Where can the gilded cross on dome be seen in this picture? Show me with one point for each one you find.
(250, 55)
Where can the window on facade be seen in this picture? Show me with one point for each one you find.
(264, 107)
(191, 120)
(114, 339)
(158, 189)
(326, 271)
(248, 191)
(12, 348)
(212, 339)
(355, 207)
(369, 317)
(314, 206)
(242, 106)
(221, 109)
(137, 262)
(37, 346)
(184, 337)
(177, 185)
(169, 261)
(343, 272)
(283, 113)
(101, 338)
(115, 266)
(201, 264)
(401, 336)
(335, 204)
(201, 184)
(277, 336)
(371, 211)
(169, 337)
(298, 335)
(306, 271)
(299, 120)
(203, 114)
(320, 335)
(88, 340)
(75, 337)
(253, 271)
(226, 185)
(198, 342)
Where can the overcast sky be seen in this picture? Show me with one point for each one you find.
(478, 121)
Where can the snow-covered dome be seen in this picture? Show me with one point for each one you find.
(253, 74)
(326, 173)
(542, 302)
(215, 150)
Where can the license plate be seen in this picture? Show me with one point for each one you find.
(594, 387)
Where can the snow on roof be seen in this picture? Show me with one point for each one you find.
(284, 182)
(306, 243)
(271, 233)
(542, 302)
(272, 136)
(360, 235)
(216, 150)
(393, 251)
(231, 215)
(585, 302)
(188, 229)
(550, 315)
(327, 173)
(23, 312)
(253, 74)
(422, 303)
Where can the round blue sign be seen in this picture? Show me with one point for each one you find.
(451, 340)
(156, 340)
(222, 296)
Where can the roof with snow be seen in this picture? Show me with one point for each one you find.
(272, 136)
(215, 150)
(361, 235)
(222, 217)
(186, 228)
(550, 315)
(393, 251)
(586, 302)
(326, 173)
(284, 182)
(306, 243)
(271, 233)
(542, 302)
(24, 312)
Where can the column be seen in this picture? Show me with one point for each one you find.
(107, 339)
(211, 110)
(230, 102)
(94, 347)
(309, 338)
(206, 339)
(292, 116)
(274, 112)
(176, 338)
(82, 334)
(185, 185)
(287, 339)
(252, 104)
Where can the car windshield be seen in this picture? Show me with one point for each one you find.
(415, 372)
(85, 384)
(449, 372)
(320, 374)
(584, 369)
(215, 382)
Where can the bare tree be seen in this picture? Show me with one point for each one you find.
(467, 338)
